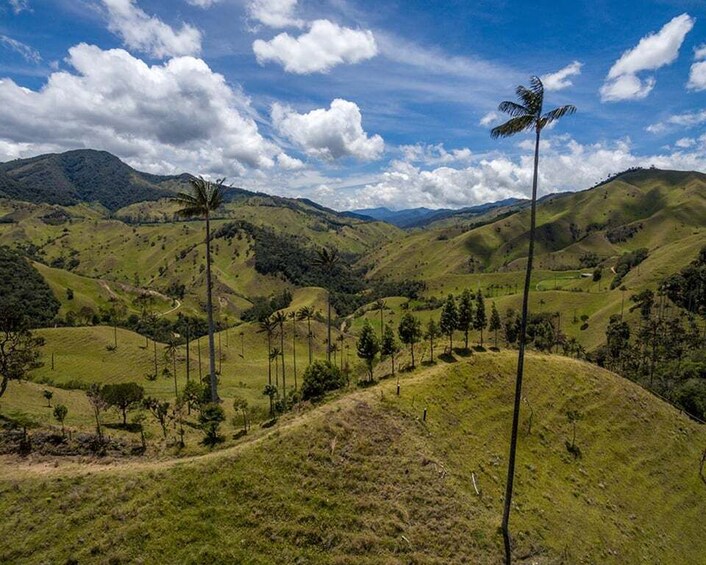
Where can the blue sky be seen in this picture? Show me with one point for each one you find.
(355, 103)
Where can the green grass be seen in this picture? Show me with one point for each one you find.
(364, 480)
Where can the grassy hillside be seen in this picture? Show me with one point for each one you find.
(157, 256)
(637, 209)
(364, 480)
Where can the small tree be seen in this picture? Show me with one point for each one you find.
(465, 315)
(367, 348)
(573, 416)
(319, 378)
(495, 323)
(122, 396)
(389, 346)
(160, 411)
(449, 320)
(211, 416)
(48, 395)
(431, 334)
(241, 405)
(98, 405)
(410, 331)
(195, 394)
(60, 413)
(480, 320)
(270, 391)
(19, 349)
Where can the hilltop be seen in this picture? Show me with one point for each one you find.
(363, 479)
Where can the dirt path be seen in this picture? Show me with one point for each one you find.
(15, 468)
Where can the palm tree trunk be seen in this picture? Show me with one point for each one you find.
(209, 312)
(328, 329)
(269, 358)
(310, 337)
(520, 363)
(281, 340)
(294, 350)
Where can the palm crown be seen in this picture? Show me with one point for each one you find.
(527, 114)
(206, 197)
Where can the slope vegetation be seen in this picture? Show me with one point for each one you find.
(364, 480)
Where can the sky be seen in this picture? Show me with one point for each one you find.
(357, 103)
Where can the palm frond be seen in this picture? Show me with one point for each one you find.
(513, 126)
(558, 113)
(513, 108)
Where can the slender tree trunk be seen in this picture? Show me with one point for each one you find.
(269, 358)
(281, 340)
(154, 342)
(411, 348)
(209, 312)
(328, 329)
(465, 339)
(188, 359)
(310, 337)
(431, 348)
(176, 388)
(520, 364)
(198, 347)
(294, 350)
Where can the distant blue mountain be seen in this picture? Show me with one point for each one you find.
(419, 217)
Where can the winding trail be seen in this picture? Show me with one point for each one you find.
(13, 467)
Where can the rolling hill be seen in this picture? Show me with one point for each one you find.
(363, 479)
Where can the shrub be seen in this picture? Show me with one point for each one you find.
(211, 416)
(319, 378)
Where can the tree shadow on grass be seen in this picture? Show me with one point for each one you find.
(448, 358)
(132, 428)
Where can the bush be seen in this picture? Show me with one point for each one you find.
(210, 419)
(319, 378)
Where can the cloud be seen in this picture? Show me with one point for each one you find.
(172, 117)
(653, 51)
(328, 134)
(697, 73)
(289, 163)
(678, 121)
(567, 165)
(560, 79)
(275, 13)
(29, 54)
(434, 154)
(324, 46)
(19, 5)
(148, 34)
(489, 118)
(202, 3)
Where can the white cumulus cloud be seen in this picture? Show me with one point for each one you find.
(149, 34)
(562, 78)
(172, 117)
(566, 165)
(697, 73)
(322, 47)
(328, 133)
(651, 53)
(490, 118)
(679, 121)
(274, 13)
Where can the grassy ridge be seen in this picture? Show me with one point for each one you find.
(364, 480)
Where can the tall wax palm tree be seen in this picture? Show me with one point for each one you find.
(268, 326)
(380, 306)
(280, 318)
(205, 198)
(170, 353)
(526, 115)
(327, 259)
(293, 316)
(307, 313)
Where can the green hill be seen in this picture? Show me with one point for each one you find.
(364, 480)
(83, 175)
